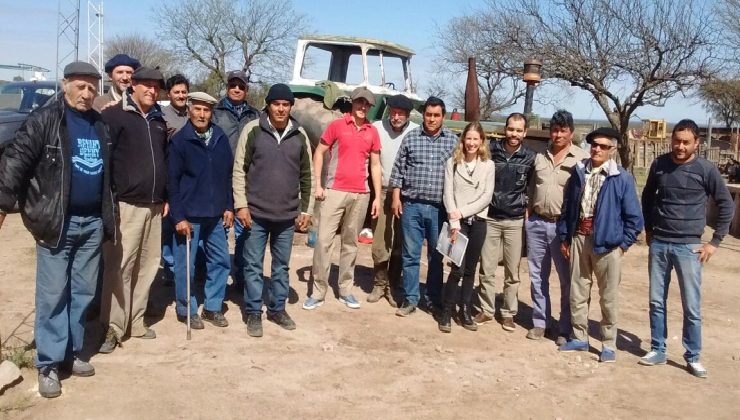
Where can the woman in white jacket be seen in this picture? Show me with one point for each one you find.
(468, 189)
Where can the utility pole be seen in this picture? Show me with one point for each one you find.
(68, 35)
(95, 52)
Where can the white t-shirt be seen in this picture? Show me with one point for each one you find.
(390, 141)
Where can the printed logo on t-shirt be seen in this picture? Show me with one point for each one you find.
(87, 157)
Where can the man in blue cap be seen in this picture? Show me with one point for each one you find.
(120, 68)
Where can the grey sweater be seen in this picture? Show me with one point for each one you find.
(674, 201)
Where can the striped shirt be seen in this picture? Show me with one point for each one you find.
(594, 179)
(419, 170)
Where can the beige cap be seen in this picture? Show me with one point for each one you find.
(363, 92)
(202, 97)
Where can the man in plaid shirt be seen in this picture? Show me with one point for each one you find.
(417, 181)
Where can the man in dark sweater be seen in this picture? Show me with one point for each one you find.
(272, 165)
(201, 207)
(58, 169)
(139, 162)
(674, 203)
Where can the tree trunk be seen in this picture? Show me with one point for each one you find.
(625, 155)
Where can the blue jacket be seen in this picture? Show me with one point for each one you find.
(199, 181)
(617, 216)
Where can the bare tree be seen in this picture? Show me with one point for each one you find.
(257, 36)
(625, 53)
(148, 51)
(722, 99)
(453, 95)
(499, 66)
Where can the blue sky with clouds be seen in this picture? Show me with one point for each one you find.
(28, 34)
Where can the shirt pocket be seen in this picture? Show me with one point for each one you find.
(52, 156)
(521, 176)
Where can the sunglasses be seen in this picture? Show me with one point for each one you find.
(237, 86)
(602, 146)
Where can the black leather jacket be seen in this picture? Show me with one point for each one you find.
(512, 175)
(36, 168)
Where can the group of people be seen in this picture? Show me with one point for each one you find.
(115, 181)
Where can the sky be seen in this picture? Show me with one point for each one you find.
(28, 34)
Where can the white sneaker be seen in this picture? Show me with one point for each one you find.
(697, 369)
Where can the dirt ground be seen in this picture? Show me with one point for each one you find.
(367, 363)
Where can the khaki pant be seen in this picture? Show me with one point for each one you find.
(130, 267)
(349, 210)
(387, 243)
(510, 233)
(607, 269)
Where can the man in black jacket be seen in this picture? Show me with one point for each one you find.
(514, 163)
(139, 163)
(58, 169)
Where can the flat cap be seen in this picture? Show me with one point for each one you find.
(80, 68)
(148, 73)
(399, 101)
(363, 92)
(280, 91)
(238, 74)
(202, 97)
(603, 132)
(121, 60)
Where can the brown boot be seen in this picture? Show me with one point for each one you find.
(377, 293)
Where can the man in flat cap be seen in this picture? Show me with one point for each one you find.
(201, 207)
(387, 239)
(58, 168)
(139, 156)
(600, 219)
(272, 165)
(232, 113)
(119, 69)
(352, 143)
(417, 181)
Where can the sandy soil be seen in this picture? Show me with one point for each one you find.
(369, 363)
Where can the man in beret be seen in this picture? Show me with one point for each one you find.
(119, 69)
(139, 145)
(354, 146)
(272, 165)
(232, 113)
(387, 240)
(201, 207)
(600, 219)
(58, 168)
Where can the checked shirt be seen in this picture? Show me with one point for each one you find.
(419, 169)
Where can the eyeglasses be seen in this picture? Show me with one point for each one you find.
(602, 146)
(237, 86)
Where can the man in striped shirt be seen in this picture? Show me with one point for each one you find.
(418, 182)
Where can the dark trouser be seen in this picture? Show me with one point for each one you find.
(476, 233)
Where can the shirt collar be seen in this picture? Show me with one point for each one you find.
(350, 120)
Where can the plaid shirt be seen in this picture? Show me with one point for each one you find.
(594, 179)
(419, 169)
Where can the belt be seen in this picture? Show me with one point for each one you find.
(585, 226)
(548, 219)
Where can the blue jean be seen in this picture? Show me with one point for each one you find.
(281, 244)
(421, 221)
(240, 237)
(66, 277)
(543, 248)
(210, 232)
(665, 256)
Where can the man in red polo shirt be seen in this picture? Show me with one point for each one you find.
(350, 140)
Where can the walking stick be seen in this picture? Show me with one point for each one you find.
(187, 275)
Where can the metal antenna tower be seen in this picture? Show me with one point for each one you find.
(95, 51)
(68, 34)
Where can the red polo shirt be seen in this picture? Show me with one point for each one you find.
(349, 152)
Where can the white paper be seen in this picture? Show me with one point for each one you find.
(456, 251)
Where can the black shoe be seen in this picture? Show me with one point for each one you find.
(466, 318)
(254, 325)
(445, 319)
(195, 322)
(282, 318)
(214, 317)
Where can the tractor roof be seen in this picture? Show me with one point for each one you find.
(350, 40)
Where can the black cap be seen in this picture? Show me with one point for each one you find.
(280, 91)
(148, 73)
(603, 132)
(80, 68)
(399, 101)
(238, 74)
(121, 60)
